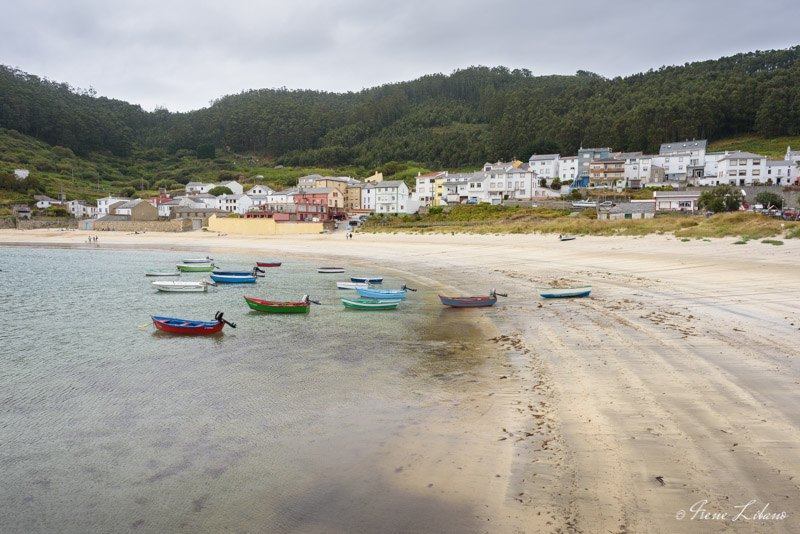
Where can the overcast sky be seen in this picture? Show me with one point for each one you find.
(182, 54)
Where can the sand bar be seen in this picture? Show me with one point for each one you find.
(683, 365)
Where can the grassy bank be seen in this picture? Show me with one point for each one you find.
(740, 224)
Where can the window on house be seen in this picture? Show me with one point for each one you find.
(756, 172)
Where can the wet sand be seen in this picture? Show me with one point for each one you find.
(683, 365)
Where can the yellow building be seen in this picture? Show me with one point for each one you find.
(352, 197)
(606, 172)
(439, 185)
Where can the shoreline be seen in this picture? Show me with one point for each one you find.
(682, 365)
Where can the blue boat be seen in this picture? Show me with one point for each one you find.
(382, 293)
(367, 280)
(564, 292)
(234, 278)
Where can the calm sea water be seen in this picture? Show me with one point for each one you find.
(275, 426)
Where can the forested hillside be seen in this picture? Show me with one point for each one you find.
(444, 121)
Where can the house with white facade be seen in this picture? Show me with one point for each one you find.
(455, 188)
(104, 203)
(237, 203)
(739, 168)
(684, 159)
(80, 209)
(43, 201)
(642, 171)
(166, 209)
(199, 187)
(425, 190)
(478, 187)
(545, 166)
(781, 173)
(368, 197)
(792, 156)
(393, 196)
(259, 190)
(568, 168)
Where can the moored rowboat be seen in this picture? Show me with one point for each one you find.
(182, 287)
(370, 304)
(471, 302)
(195, 267)
(382, 293)
(367, 280)
(198, 260)
(330, 270)
(158, 272)
(352, 285)
(268, 263)
(271, 306)
(564, 292)
(184, 326)
(234, 278)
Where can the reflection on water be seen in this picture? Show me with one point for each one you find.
(288, 423)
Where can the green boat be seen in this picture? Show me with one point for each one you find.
(370, 304)
(195, 267)
(271, 306)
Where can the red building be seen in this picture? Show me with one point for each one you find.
(317, 204)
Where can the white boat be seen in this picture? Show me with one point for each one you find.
(352, 285)
(199, 260)
(157, 272)
(584, 204)
(182, 287)
(330, 270)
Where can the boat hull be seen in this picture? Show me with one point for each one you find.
(192, 268)
(370, 304)
(233, 279)
(367, 280)
(351, 285)
(564, 292)
(198, 260)
(398, 294)
(268, 263)
(330, 270)
(182, 326)
(181, 287)
(468, 302)
(154, 272)
(269, 306)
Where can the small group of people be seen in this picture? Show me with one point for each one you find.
(92, 238)
(348, 235)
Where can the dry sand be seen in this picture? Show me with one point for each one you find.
(683, 364)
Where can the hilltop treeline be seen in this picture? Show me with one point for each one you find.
(445, 121)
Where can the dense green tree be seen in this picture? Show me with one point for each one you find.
(721, 198)
(769, 199)
(220, 190)
(206, 151)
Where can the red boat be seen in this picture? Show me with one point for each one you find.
(183, 326)
(471, 302)
(268, 263)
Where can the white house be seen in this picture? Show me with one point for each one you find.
(710, 169)
(236, 187)
(259, 190)
(568, 168)
(676, 200)
(104, 203)
(368, 197)
(642, 171)
(393, 197)
(781, 173)
(545, 166)
(80, 209)
(199, 187)
(793, 157)
(478, 188)
(684, 159)
(740, 168)
(237, 203)
(45, 202)
(425, 188)
(165, 209)
(259, 200)
(456, 188)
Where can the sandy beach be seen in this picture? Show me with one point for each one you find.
(666, 402)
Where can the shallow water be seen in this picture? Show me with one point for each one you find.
(281, 425)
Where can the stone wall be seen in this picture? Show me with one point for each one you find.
(32, 224)
(176, 225)
(791, 197)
